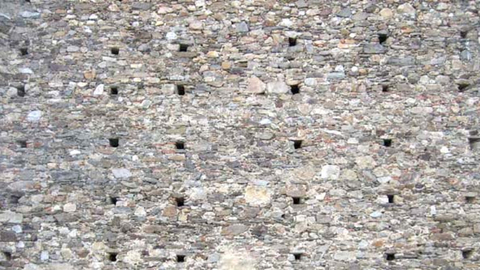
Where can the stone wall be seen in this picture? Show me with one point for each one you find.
(239, 135)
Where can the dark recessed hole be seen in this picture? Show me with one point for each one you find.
(463, 34)
(297, 144)
(463, 86)
(112, 256)
(180, 258)
(385, 88)
(474, 143)
(180, 145)
(470, 199)
(14, 199)
(391, 198)
(180, 90)
(390, 256)
(297, 200)
(22, 143)
(382, 38)
(183, 48)
(113, 200)
(180, 201)
(115, 50)
(7, 255)
(292, 41)
(21, 91)
(28, 1)
(467, 253)
(387, 142)
(24, 51)
(114, 90)
(295, 89)
(114, 142)
(298, 256)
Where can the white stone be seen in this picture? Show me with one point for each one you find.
(99, 90)
(121, 173)
(330, 172)
(255, 195)
(277, 87)
(69, 207)
(140, 212)
(75, 152)
(171, 36)
(34, 116)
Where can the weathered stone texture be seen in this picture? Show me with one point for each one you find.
(252, 134)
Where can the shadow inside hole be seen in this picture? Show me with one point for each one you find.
(180, 90)
(115, 50)
(7, 256)
(463, 86)
(292, 41)
(297, 144)
(382, 38)
(113, 200)
(21, 91)
(22, 143)
(387, 142)
(474, 143)
(470, 199)
(294, 89)
(467, 253)
(180, 201)
(112, 256)
(180, 145)
(385, 88)
(298, 256)
(114, 90)
(24, 51)
(463, 34)
(180, 258)
(390, 256)
(391, 198)
(114, 142)
(183, 48)
(297, 200)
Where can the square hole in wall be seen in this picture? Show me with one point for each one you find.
(113, 200)
(22, 143)
(180, 90)
(180, 201)
(467, 253)
(180, 145)
(297, 255)
(474, 143)
(180, 258)
(115, 50)
(183, 48)
(114, 90)
(391, 198)
(382, 38)
(385, 88)
(470, 199)
(387, 142)
(462, 86)
(292, 41)
(297, 200)
(297, 144)
(390, 256)
(21, 91)
(24, 51)
(112, 256)
(463, 34)
(295, 89)
(114, 142)
(7, 256)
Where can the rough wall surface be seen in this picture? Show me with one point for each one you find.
(239, 135)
